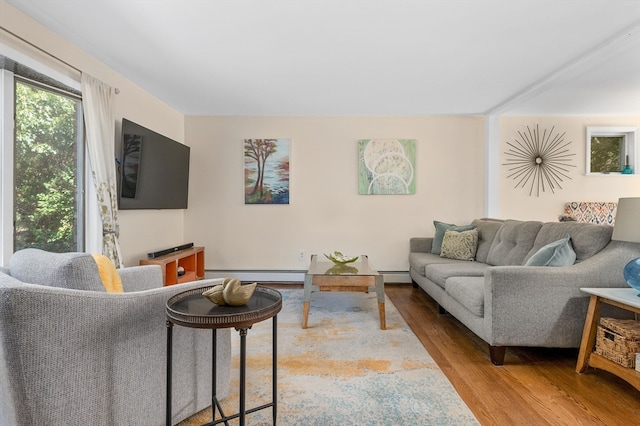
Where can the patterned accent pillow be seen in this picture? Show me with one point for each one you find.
(460, 245)
(441, 228)
(600, 213)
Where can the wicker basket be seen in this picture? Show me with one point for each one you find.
(618, 340)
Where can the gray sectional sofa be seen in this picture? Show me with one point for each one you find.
(508, 303)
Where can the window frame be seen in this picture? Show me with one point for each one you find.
(82, 164)
(90, 222)
(630, 147)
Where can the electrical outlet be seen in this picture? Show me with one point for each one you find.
(302, 255)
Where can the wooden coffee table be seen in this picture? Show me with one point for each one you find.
(357, 276)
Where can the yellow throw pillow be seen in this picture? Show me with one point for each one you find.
(108, 274)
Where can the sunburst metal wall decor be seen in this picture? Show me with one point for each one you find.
(539, 161)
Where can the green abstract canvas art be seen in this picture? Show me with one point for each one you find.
(386, 166)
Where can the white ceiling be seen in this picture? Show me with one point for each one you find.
(364, 57)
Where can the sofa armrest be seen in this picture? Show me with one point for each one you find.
(544, 306)
(525, 304)
(139, 278)
(148, 277)
(420, 244)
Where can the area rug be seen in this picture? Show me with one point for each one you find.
(342, 370)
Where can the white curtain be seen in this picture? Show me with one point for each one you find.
(97, 103)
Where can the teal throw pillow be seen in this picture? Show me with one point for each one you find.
(441, 228)
(557, 253)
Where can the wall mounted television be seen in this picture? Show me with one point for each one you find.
(153, 170)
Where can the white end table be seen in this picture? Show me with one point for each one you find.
(624, 298)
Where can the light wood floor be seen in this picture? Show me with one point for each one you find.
(535, 386)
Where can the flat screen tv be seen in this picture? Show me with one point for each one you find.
(153, 170)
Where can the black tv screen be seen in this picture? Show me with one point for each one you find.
(154, 170)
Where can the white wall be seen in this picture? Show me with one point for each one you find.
(325, 212)
(140, 231)
(516, 202)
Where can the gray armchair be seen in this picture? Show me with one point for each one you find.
(73, 354)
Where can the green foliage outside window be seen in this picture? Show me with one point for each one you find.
(45, 167)
(606, 153)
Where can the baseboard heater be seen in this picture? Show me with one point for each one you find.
(293, 277)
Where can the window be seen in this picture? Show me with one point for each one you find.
(48, 168)
(42, 161)
(611, 150)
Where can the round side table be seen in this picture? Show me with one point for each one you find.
(192, 309)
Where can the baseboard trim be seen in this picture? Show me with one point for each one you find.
(293, 277)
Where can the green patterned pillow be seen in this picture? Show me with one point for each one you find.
(460, 245)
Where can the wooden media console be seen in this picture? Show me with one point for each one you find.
(191, 259)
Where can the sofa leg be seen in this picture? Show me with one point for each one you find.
(441, 310)
(496, 353)
(414, 284)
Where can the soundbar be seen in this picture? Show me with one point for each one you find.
(170, 250)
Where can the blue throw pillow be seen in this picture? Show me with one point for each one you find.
(557, 253)
(441, 228)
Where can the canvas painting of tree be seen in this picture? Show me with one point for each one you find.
(266, 171)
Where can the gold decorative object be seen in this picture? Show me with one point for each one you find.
(231, 292)
(236, 294)
(339, 258)
(214, 294)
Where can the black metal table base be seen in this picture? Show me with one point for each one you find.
(215, 404)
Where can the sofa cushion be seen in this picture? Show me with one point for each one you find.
(587, 239)
(441, 228)
(69, 270)
(439, 272)
(417, 261)
(468, 291)
(460, 245)
(557, 253)
(513, 242)
(487, 230)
